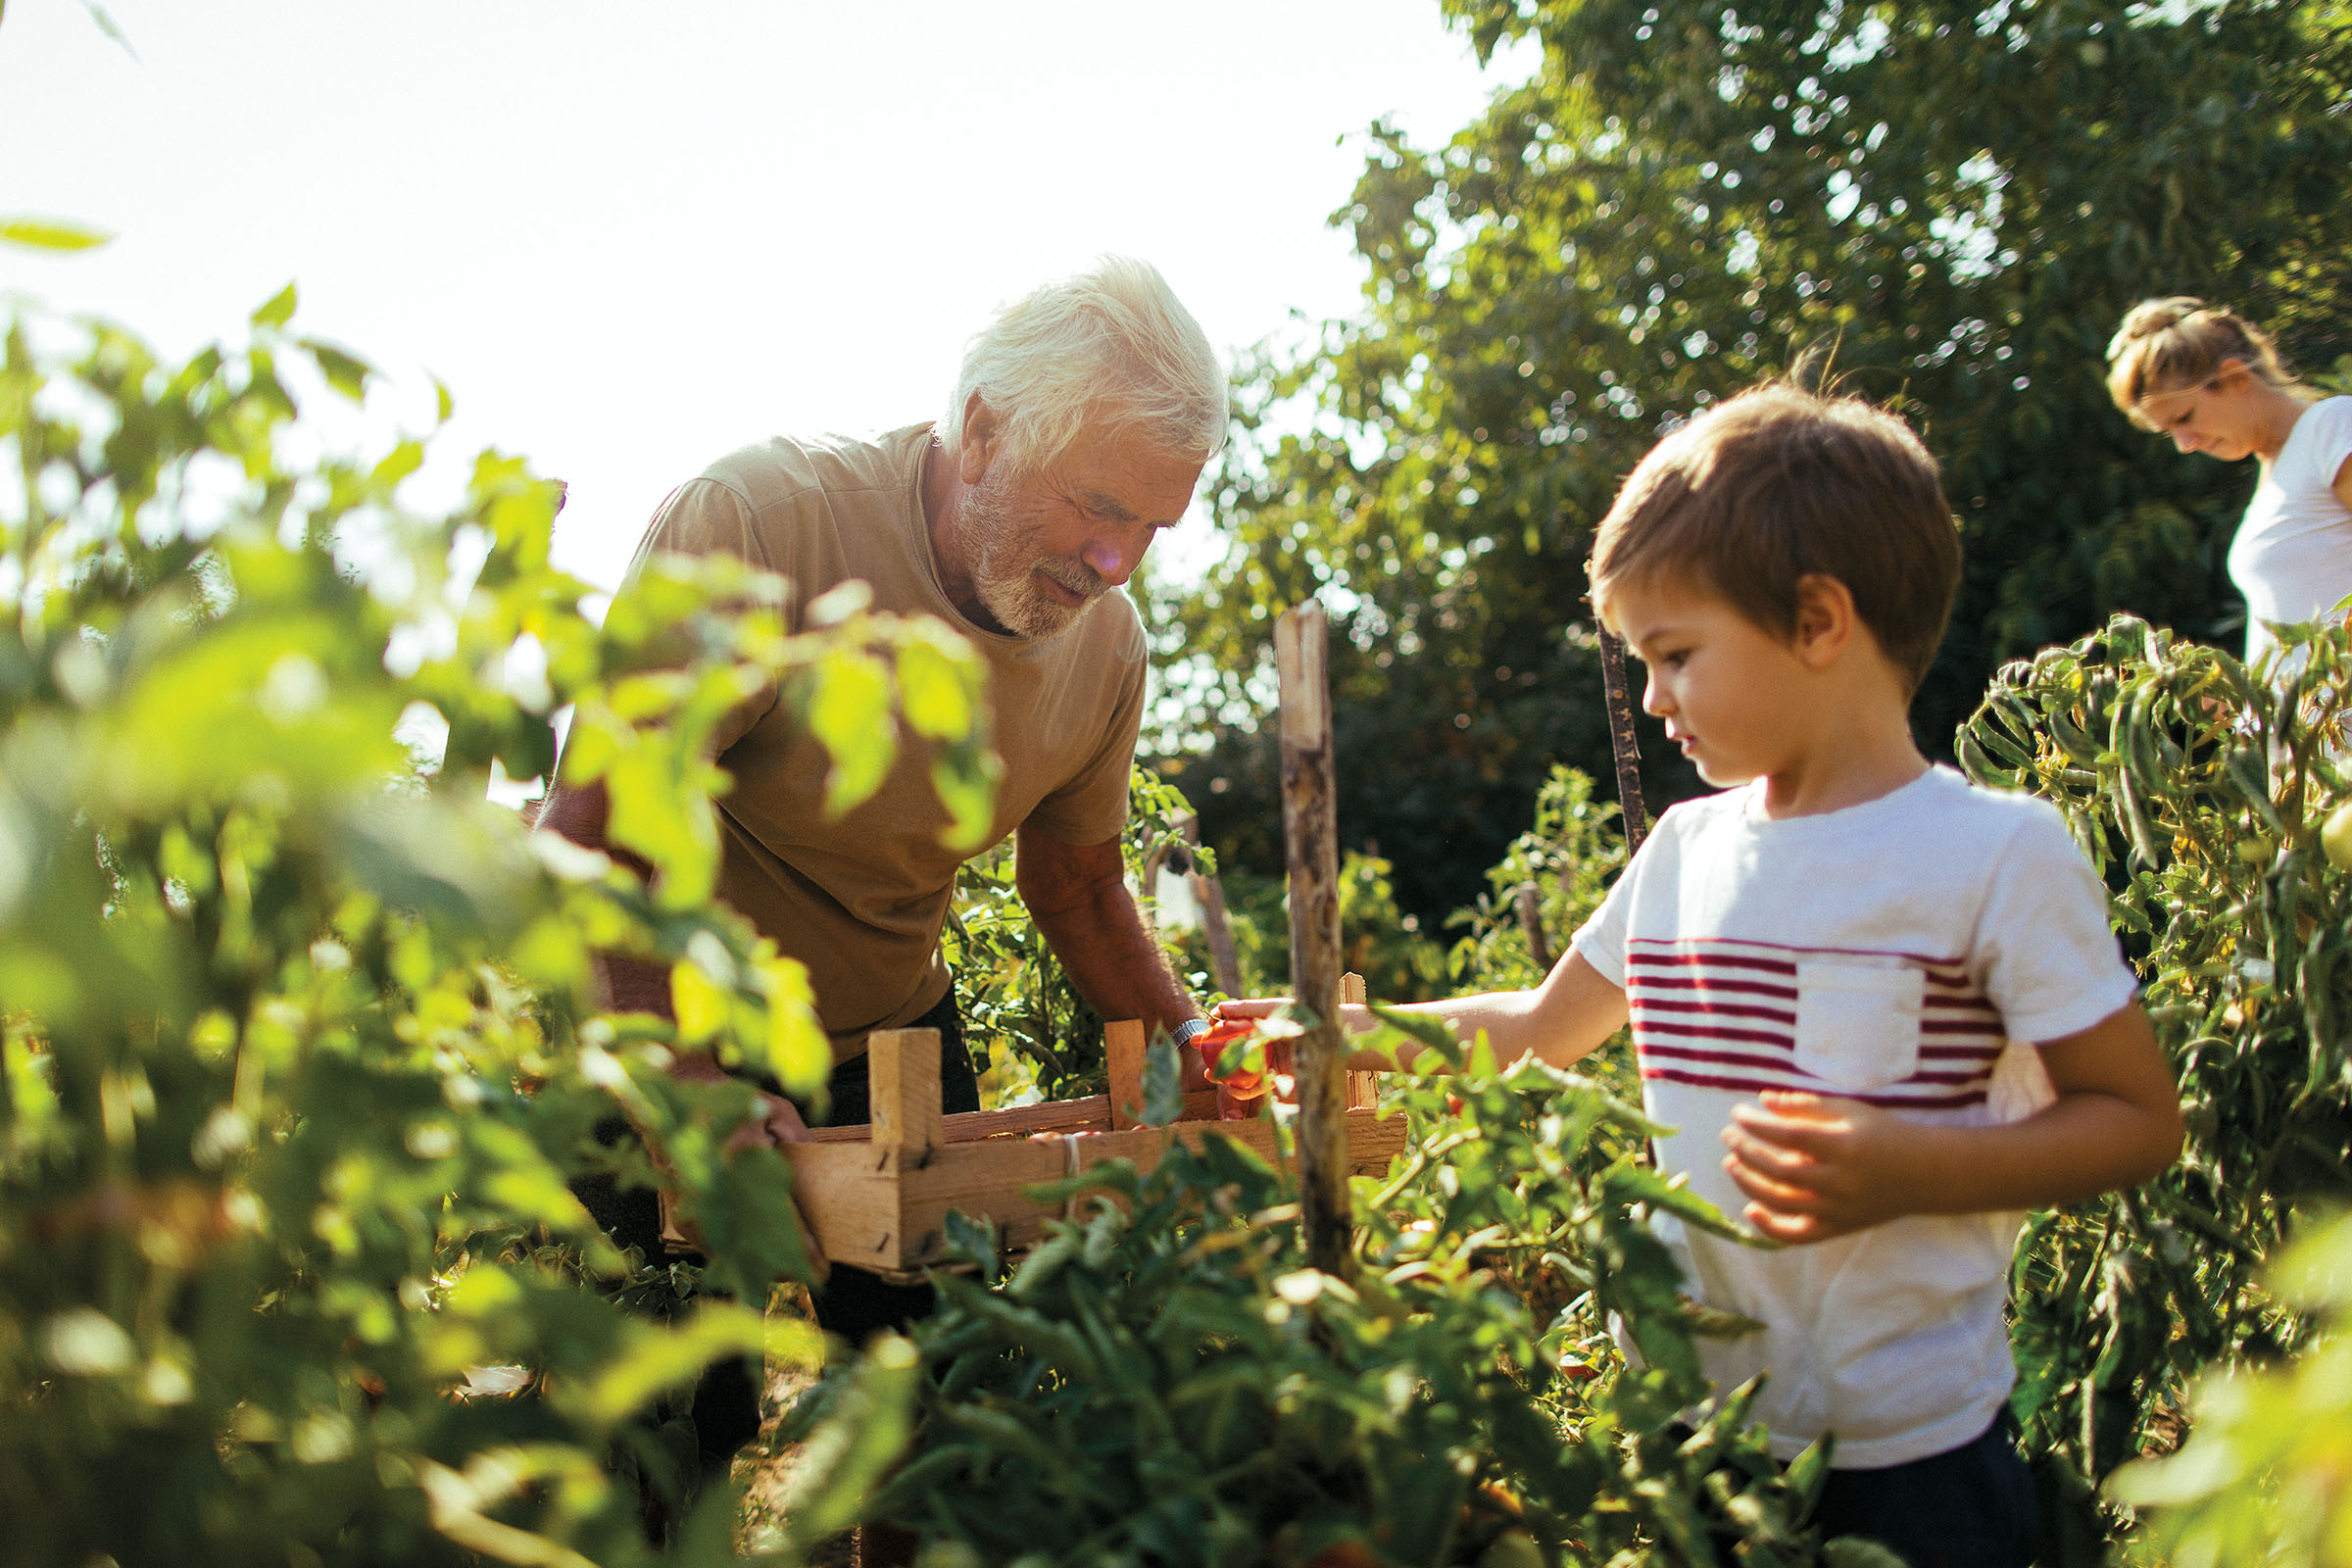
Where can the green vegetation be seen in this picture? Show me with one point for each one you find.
(299, 1052)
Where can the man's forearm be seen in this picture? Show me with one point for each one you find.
(1113, 960)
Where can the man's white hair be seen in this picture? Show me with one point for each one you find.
(1109, 348)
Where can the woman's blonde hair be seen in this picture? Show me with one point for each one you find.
(1109, 348)
(2168, 345)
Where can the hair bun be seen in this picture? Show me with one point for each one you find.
(2151, 317)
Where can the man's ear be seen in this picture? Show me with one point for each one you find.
(983, 433)
(1826, 619)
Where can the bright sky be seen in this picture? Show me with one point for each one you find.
(632, 237)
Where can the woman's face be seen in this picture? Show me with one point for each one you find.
(2216, 416)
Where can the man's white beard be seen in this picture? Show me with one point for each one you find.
(1005, 565)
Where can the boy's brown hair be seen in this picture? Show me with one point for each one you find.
(1776, 484)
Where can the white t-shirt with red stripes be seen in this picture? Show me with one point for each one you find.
(1890, 953)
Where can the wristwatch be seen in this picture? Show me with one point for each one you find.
(1186, 1032)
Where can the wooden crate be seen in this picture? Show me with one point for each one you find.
(878, 1197)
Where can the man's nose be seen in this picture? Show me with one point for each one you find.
(1115, 554)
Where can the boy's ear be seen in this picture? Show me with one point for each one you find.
(1826, 619)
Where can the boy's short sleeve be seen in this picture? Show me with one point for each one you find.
(1601, 940)
(2048, 958)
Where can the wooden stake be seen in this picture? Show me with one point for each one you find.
(1531, 921)
(1623, 742)
(1210, 894)
(1310, 829)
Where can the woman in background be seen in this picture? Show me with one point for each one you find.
(2212, 381)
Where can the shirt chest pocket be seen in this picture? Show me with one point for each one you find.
(1857, 1024)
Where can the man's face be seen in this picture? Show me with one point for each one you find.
(1042, 545)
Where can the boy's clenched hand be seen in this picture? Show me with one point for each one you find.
(1815, 1167)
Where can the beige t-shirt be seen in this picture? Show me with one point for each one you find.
(860, 899)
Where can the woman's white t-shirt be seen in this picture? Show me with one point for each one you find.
(2292, 556)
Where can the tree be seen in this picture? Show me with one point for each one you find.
(1946, 206)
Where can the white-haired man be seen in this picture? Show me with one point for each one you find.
(1082, 420)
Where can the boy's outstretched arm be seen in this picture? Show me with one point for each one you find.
(1815, 1167)
(1560, 1020)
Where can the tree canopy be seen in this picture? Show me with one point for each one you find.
(1945, 207)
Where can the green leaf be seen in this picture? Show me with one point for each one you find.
(346, 373)
(934, 690)
(698, 1004)
(279, 311)
(850, 716)
(39, 235)
(1163, 1082)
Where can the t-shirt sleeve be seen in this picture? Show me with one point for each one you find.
(2048, 958)
(1601, 940)
(1092, 806)
(707, 517)
(2333, 425)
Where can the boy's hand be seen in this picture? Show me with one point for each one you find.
(1813, 1167)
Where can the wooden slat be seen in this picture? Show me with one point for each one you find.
(1363, 1091)
(903, 1088)
(1090, 1115)
(1124, 1054)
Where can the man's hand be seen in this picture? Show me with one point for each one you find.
(1814, 1168)
(777, 1123)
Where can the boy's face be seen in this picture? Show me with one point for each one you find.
(1732, 692)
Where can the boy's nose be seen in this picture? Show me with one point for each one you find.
(1654, 701)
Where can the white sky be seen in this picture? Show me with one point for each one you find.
(632, 237)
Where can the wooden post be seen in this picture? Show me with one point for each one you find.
(902, 1088)
(1361, 1095)
(1616, 693)
(1310, 828)
(1531, 921)
(1123, 1055)
(1215, 922)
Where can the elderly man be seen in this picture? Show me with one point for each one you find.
(1079, 427)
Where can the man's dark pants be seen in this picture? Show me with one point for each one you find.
(852, 1303)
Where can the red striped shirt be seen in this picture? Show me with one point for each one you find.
(1716, 1013)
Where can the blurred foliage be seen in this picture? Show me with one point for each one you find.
(1164, 1379)
(2200, 788)
(2267, 1474)
(1944, 205)
(299, 1052)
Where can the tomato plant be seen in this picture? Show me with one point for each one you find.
(2201, 788)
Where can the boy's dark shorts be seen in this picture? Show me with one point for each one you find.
(1969, 1507)
(1973, 1506)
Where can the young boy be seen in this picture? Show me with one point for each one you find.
(1830, 966)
